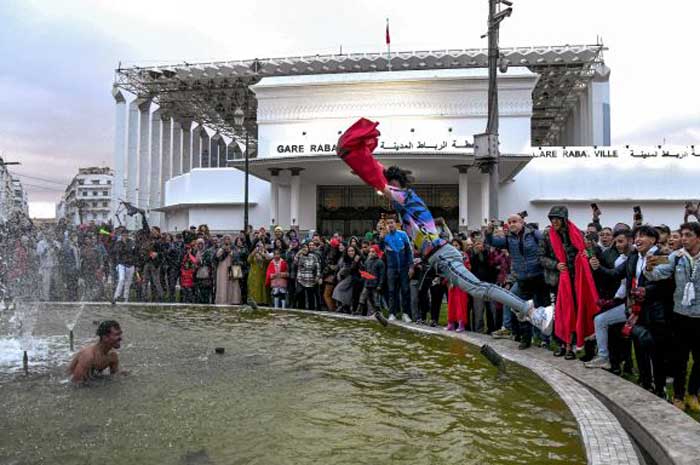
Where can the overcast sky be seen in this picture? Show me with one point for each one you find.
(58, 58)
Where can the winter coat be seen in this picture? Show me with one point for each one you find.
(187, 270)
(658, 302)
(524, 250)
(549, 260)
(679, 267)
(125, 252)
(481, 268)
(375, 267)
(272, 268)
(397, 250)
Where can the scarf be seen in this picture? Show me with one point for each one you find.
(689, 289)
(567, 319)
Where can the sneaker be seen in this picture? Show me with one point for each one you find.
(460, 327)
(392, 317)
(524, 344)
(406, 318)
(503, 333)
(433, 324)
(679, 404)
(570, 355)
(560, 352)
(598, 362)
(544, 344)
(692, 403)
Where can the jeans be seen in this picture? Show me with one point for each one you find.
(398, 283)
(125, 275)
(481, 307)
(450, 265)
(151, 275)
(604, 320)
(686, 333)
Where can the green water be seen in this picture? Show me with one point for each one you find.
(290, 389)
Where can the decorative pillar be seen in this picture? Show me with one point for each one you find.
(204, 151)
(186, 145)
(166, 154)
(119, 152)
(295, 197)
(463, 220)
(154, 181)
(197, 146)
(274, 197)
(177, 149)
(144, 161)
(132, 145)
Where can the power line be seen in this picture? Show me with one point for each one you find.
(39, 179)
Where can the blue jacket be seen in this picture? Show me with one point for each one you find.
(398, 249)
(524, 250)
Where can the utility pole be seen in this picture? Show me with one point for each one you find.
(486, 149)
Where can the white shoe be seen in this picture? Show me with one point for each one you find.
(392, 317)
(598, 362)
(406, 318)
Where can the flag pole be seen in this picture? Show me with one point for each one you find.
(388, 45)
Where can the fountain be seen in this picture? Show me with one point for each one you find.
(70, 325)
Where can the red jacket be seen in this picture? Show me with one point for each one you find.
(187, 270)
(276, 282)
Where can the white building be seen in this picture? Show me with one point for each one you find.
(171, 145)
(13, 198)
(88, 197)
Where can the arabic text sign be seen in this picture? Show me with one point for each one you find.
(384, 146)
(626, 151)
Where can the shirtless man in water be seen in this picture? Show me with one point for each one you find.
(95, 358)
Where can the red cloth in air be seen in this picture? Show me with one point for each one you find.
(574, 317)
(355, 148)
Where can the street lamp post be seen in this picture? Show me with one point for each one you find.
(239, 120)
(487, 143)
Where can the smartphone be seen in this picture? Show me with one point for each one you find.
(637, 209)
(594, 206)
(523, 214)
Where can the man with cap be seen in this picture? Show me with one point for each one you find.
(565, 262)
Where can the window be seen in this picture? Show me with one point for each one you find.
(109, 181)
(94, 204)
(104, 215)
(105, 193)
(84, 193)
(81, 182)
(94, 193)
(95, 181)
(105, 204)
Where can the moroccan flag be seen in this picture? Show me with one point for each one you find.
(388, 38)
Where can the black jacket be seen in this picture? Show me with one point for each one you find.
(658, 302)
(375, 267)
(125, 252)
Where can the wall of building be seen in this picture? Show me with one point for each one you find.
(660, 185)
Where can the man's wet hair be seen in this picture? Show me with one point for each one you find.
(105, 328)
(394, 173)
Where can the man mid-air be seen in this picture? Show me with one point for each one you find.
(93, 359)
(355, 147)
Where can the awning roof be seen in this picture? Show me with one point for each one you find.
(209, 93)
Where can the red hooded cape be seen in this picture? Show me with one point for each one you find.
(567, 320)
(355, 147)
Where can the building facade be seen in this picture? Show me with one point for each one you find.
(175, 123)
(88, 197)
(13, 198)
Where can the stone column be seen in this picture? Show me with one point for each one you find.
(295, 197)
(463, 220)
(197, 146)
(177, 149)
(166, 154)
(186, 145)
(154, 181)
(274, 197)
(132, 145)
(204, 152)
(118, 190)
(144, 160)
(484, 199)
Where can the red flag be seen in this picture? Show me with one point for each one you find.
(388, 39)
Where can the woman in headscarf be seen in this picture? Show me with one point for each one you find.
(228, 275)
(348, 277)
(257, 262)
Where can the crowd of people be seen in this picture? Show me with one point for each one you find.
(619, 292)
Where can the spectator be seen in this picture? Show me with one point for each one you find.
(370, 298)
(229, 273)
(257, 267)
(125, 259)
(276, 279)
(308, 276)
(398, 251)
